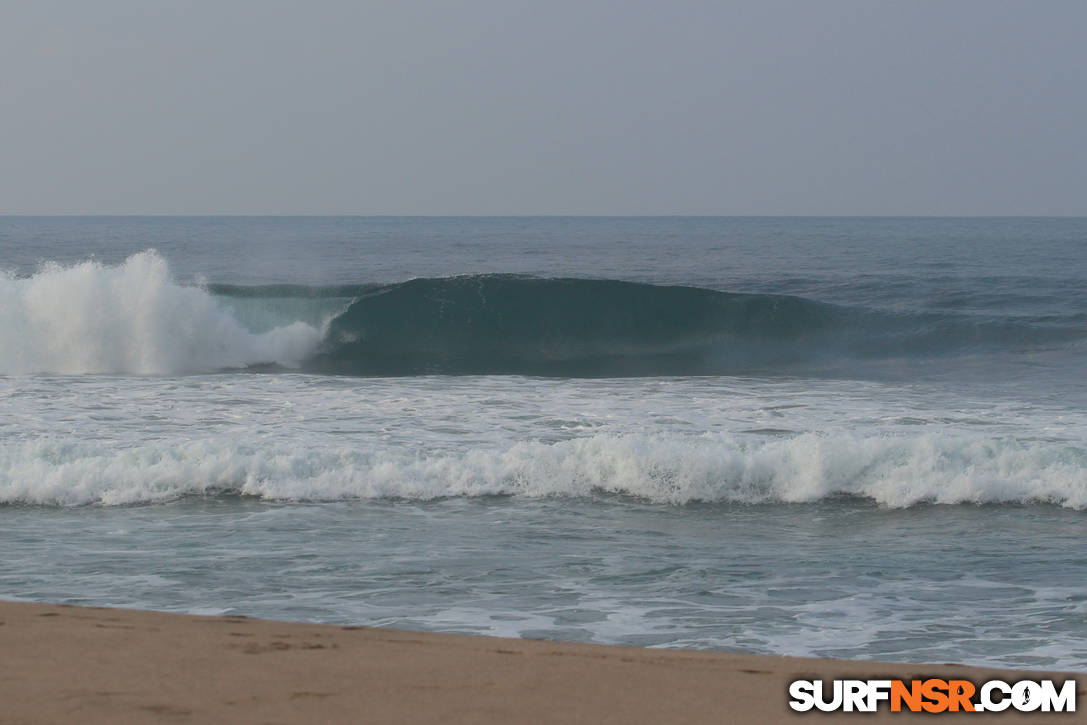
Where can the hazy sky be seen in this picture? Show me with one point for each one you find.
(544, 107)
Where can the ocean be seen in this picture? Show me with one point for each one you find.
(841, 437)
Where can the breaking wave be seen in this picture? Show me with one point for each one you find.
(135, 318)
(673, 469)
(131, 318)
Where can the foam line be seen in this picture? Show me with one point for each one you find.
(670, 469)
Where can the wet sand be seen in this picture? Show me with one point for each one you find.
(62, 664)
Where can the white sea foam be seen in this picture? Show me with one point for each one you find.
(893, 471)
(130, 318)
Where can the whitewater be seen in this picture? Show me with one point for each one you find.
(858, 438)
(131, 318)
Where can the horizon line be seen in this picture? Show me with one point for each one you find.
(241, 215)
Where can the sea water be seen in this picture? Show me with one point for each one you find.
(860, 438)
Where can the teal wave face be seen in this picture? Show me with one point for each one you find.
(506, 324)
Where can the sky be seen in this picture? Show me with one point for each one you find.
(506, 107)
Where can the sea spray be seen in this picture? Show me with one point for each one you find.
(130, 318)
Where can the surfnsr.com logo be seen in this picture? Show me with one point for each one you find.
(932, 695)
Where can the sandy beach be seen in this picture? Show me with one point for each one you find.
(64, 664)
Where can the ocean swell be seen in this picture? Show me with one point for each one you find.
(506, 324)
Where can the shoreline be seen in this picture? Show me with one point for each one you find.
(64, 663)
